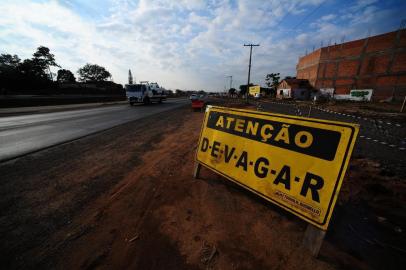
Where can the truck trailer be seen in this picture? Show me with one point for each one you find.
(144, 92)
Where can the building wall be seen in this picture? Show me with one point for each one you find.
(308, 67)
(283, 90)
(283, 93)
(377, 62)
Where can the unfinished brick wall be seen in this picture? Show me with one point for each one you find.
(308, 68)
(377, 62)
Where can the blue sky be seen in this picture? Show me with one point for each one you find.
(189, 44)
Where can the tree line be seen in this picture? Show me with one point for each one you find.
(34, 76)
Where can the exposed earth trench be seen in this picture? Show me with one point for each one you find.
(125, 198)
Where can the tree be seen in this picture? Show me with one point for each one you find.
(44, 59)
(34, 69)
(29, 76)
(232, 91)
(179, 92)
(93, 72)
(43, 55)
(272, 81)
(8, 61)
(243, 89)
(9, 72)
(65, 76)
(9, 66)
(169, 93)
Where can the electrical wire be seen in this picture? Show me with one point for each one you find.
(308, 15)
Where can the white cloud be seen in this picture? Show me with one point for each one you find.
(360, 4)
(186, 44)
(328, 17)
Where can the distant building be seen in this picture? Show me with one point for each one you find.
(377, 62)
(294, 88)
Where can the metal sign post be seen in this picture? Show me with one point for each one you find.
(313, 239)
(403, 104)
(196, 170)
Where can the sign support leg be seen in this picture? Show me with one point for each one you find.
(403, 104)
(310, 111)
(313, 239)
(196, 171)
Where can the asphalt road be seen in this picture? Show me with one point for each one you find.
(378, 139)
(24, 134)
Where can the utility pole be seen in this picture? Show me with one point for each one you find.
(249, 68)
(130, 77)
(231, 80)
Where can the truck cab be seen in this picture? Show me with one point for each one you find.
(144, 92)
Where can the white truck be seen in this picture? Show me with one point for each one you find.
(144, 92)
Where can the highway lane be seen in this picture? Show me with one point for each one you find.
(24, 134)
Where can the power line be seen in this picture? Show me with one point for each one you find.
(280, 21)
(283, 18)
(263, 16)
(308, 15)
(290, 10)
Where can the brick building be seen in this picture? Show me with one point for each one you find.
(377, 63)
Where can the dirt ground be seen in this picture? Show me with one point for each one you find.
(125, 198)
(382, 110)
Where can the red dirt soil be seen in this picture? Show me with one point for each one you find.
(148, 212)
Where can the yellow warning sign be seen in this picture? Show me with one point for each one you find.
(253, 90)
(297, 163)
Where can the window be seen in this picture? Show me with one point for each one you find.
(135, 88)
